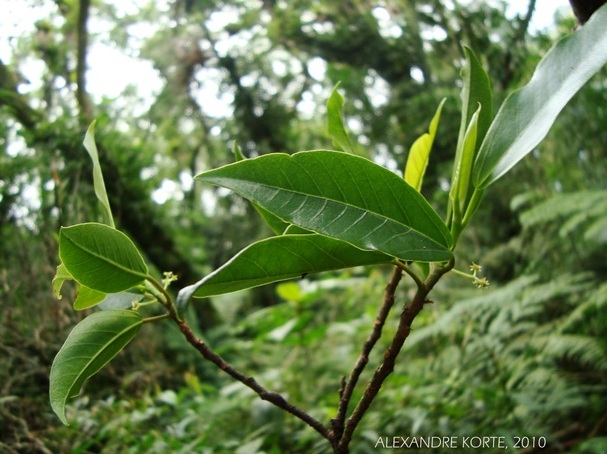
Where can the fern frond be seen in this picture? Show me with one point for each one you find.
(565, 205)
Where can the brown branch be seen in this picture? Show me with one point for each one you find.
(248, 381)
(385, 369)
(524, 27)
(340, 434)
(347, 390)
(510, 62)
(14, 101)
(81, 94)
(598, 427)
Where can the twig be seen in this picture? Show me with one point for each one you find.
(81, 94)
(598, 426)
(341, 430)
(248, 381)
(346, 391)
(385, 369)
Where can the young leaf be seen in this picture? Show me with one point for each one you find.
(87, 297)
(91, 345)
(284, 257)
(61, 275)
(477, 91)
(477, 114)
(463, 167)
(98, 183)
(335, 122)
(101, 258)
(419, 155)
(527, 114)
(344, 197)
(238, 154)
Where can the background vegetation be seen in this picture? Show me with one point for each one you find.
(527, 357)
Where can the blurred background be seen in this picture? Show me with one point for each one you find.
(172, 84)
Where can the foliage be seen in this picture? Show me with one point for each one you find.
(90, 345)
(260, 73)
(323, 192)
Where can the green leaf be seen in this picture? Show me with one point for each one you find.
(101, 258)
(120, 300)
(344, 197)
(284, 257)
(238, 154)
(87, 297)
(335, 122)
(90, 346)
(477, 114)
(277, 225)
(98, 183)
(463, 168)
(527, 114)
(61, 275)
(477, 91)
(290, 291)
(419, 155)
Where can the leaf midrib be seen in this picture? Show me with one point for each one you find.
(105, 259)
(99, 352)
(279, 189)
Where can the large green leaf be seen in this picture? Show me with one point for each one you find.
(344, 197)
(277, 225)
(98, 183)
(101, 258)
(419, 155)
(91, 345)
(335, 122)
(527, 114)
(284, 257)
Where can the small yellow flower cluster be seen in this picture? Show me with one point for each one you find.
(169, 277)
(480, 282)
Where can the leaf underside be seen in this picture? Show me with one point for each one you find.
(343, 197)
(527, 114)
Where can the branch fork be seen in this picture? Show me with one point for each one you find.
(341, 428)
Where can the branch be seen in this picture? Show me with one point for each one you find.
(248, 381)
(385, 369)
(522, 31)
(16, 102)
(363, 358)
(81, 95)
(510, 64)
